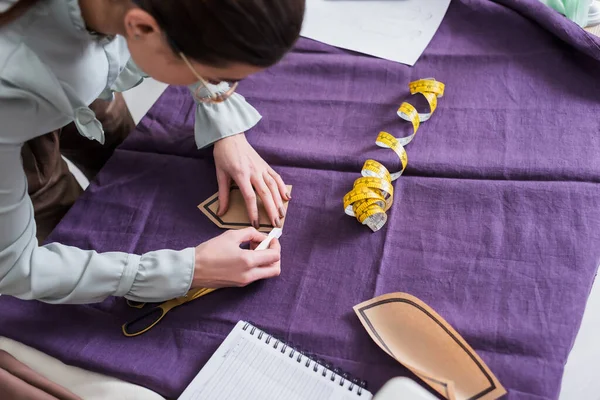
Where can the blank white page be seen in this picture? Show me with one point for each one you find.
(246, 367)
(397, 30)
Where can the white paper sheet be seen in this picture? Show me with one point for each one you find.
(397, 30)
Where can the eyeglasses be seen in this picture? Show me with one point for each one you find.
(214, 98)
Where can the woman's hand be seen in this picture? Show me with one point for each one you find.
(220, 262)
(236, 159)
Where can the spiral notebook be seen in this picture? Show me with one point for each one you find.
(251, 364)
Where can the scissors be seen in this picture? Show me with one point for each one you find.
(154, 315)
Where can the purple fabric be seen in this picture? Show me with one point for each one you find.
(495, 223)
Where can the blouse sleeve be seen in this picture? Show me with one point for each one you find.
(213, 121)
(217, 121)
(57, 273)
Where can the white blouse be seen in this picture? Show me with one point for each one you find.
(51, 69)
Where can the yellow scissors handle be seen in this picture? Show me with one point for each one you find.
(135, 304)
(195, 293)
(146, 321)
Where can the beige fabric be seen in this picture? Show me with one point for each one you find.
(594, 30)
(88, 385)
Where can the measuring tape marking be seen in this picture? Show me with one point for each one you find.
(372, 195)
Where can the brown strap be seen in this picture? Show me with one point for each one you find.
(19, 382)
(18, 9)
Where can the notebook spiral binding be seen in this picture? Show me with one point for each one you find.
(318, 366)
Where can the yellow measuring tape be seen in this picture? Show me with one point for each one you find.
(373, 194)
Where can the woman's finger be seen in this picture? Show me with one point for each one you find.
(272, 184)
(263, 258)
(250, 200)
(248, 235)
(274, 245)
(283, 190)
(224, 182)
(266, 272)
(262, 190)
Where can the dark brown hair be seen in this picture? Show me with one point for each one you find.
(218, 32)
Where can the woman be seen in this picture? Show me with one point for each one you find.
(62, 65)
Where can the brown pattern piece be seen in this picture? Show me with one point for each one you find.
(420, 339)
(236, 216)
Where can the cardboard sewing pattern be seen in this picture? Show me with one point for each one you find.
(236, 216)
(420, 339)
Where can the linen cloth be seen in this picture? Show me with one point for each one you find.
(494, 223)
